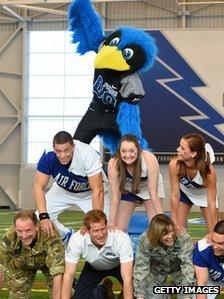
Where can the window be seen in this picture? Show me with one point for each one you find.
(59, 89)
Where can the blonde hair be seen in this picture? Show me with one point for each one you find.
(159, 227)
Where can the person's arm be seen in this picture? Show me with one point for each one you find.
(141, 267)
(55, 262)
(96, 185)
(153, 175)
(57, 285)
(211, 197)
(201, 279)
(40, 182)
(68, 277)
(1, 280)
(185, 254)
(115, 191)
(126, 274)
(175, 188)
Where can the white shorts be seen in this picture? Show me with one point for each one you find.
(59, 200)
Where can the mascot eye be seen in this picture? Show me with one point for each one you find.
(127, 53)
(115, 41)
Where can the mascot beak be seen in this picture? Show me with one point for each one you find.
(109, 57)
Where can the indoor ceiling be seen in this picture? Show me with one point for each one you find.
(31, 10)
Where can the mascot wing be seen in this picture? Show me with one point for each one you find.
(86, 26)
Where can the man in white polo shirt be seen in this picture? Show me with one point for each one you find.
(107, 253)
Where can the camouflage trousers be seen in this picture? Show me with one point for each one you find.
(20, 282)
(177, 278)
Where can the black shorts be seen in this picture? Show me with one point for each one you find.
(132, 197)
(96, 121)
(185, 199)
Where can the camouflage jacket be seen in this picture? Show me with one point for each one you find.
(153, 265)
(47, 251)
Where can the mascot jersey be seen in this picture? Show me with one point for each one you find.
(110, 88)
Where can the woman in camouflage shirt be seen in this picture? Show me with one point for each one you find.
(162, 252)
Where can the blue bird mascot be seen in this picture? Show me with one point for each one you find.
(117, 87)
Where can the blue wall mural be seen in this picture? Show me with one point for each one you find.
(171, 108)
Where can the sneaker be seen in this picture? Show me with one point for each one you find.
(67, 237)
(108, 284)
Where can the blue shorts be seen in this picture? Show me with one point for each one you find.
(131, 197)
(185, 199)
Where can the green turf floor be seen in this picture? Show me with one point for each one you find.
(74, 220)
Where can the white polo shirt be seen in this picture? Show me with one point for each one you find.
(118, 249)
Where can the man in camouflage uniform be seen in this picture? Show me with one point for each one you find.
(24, 249)
(153, 264)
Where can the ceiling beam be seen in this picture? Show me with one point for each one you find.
(12, 12)
(201, 2)
(42, 9)
(14, 2)
(36, 15)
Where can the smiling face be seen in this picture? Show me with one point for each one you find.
(218, 244)
(128, 152)
(26, 231)
(98, 232)
(169, 237)
(183, 151)
(64, 152)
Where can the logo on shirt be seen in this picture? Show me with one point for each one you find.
(109, 253)
(72, 184)
(105, 92)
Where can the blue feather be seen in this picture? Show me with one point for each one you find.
(86, 26)
(129, 121)
(110, 141)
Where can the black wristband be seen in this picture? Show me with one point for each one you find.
(43, 216)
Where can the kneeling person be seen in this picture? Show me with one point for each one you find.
(208, 259)
(107, 253)
(24, 249)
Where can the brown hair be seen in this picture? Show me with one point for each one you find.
(159, 226)
(26, 214)
(219, 227)
(62, 137)
(121, 166)
(196, 143)
(94, 216)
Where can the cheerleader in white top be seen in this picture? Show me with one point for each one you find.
(134, 178)
(193, 181)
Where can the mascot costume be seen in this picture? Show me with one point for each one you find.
(117, 87)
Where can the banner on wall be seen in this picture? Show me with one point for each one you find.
(185, 91)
